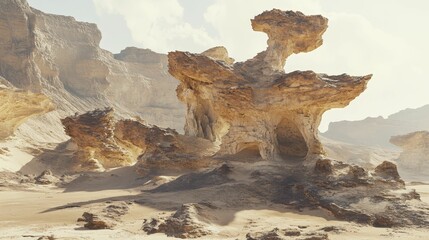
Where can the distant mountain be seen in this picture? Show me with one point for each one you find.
(376, 132)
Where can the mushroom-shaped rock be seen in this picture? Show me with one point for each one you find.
(254, 104)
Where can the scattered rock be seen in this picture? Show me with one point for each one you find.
(334, 229)
(94, 221)
(323, 166)
(105, 219)
(384, 221)
(388, 171)
(190, 221)
(47, 238)
(271, 235)
(292, 232)
(46, 177)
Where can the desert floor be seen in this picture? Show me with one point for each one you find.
(47, 211)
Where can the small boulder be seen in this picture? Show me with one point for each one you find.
(94, 221)
(46, 178)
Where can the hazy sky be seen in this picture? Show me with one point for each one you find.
(389, 39)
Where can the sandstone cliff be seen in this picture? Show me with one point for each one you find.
(16, 106)
(60, 57)
(255, 104)
(413, 161)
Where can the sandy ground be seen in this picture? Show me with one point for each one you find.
(32, 214)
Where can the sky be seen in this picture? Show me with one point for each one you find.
(386, 38)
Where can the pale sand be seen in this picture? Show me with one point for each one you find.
(23, 217)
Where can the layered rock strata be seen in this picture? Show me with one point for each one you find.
(16, 106)
(104, 142)
(61, 58)
(255, 104)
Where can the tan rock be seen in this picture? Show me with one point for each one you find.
(16, 106)
(190, 221)
(93, 133)
(104, 142)
(219, 53)
(254, 104)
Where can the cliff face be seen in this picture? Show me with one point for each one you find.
(60, 57)
(16, 106)
(255, 104)
(413, 162)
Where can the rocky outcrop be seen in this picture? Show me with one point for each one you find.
(60, 57)
(255, 104)
(413, 162)
(93, 133)
(16, 106)
(190, 221)
(104, 142)
(284, 234)
(107, 218)
(46, 177)
(164, 149)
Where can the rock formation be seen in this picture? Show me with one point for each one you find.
(104, 142)
(284, 234)
(60, 57)
(93, 133)
(107, 218)
(255, 104)
(190, 221)
(16, 106)
(414, 159)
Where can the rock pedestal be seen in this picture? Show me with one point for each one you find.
(255, 105)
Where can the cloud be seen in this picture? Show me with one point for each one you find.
(158, 25)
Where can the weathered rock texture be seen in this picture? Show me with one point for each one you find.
(255, 104)
(60, 57)
(107, 218)
(190, 221)
(104, 142)
(16, 106)
(93, 134)
(414, 159)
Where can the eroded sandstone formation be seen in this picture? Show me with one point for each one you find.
(92, 132)
(414, 159)
(255, 104)
(16, 106)
(104, 142)
(61, 58)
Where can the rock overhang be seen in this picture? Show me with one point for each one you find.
(246, 103)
